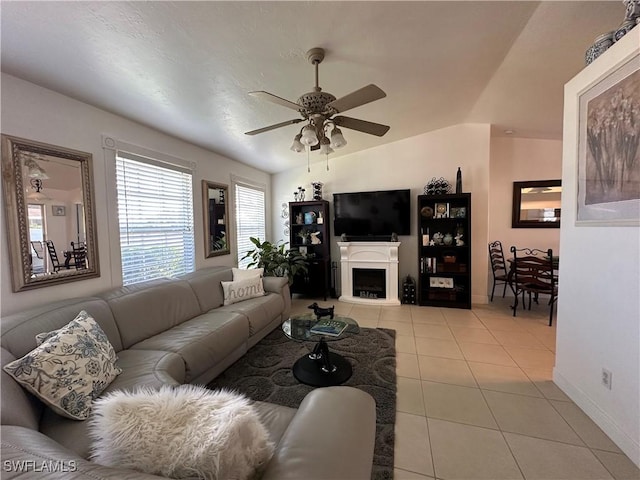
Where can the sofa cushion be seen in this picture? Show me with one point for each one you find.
(19, 330)
(202, 342)
(241, 290)
(18, 406)
(146, 309)
(69, 369)
(206, 285)
(140, 368)
(180, 432)
(259, 312)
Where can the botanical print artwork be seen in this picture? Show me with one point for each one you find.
(613, 138)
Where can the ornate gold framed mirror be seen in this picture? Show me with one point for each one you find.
(215, 206)
(49, 213)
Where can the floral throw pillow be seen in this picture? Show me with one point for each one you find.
(86, 321)
(69, 369)
(240, 290)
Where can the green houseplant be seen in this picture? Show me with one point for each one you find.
(276, 259)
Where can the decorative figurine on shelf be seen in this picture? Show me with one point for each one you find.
(438, 238)
(317, 190)
(432, 243)
(299, 218)
(343, 237)
(459, 241)
(315, 238)
(448, 239)
(319, 311)
(394, 237)
(295, 196)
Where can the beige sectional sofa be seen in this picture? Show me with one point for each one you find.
(173, 332)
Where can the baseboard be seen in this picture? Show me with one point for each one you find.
(479, 299)
(628, 445)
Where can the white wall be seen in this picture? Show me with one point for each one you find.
(35, 113)
(598, 307)
(408, 163)
(516, 160)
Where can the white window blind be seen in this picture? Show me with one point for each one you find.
(155, 212)
(250, 218)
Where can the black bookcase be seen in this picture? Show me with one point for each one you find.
(310, 232)
(444, 246)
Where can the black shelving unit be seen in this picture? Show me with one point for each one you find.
(444, 261)
(309, 220)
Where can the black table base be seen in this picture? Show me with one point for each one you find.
(322, 368)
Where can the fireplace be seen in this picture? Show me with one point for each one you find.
(369, 283)
(369, 272)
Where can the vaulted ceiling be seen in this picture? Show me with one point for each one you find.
(184, 68)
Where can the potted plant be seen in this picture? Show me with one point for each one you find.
(276, 259)
(304, 235)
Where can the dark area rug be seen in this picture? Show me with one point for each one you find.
(264, 374)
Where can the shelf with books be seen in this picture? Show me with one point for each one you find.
(444, 229)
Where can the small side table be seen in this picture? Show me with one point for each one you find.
(320, 367)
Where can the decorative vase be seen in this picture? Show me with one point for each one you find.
(459, 181)
(623, 29)
(448, 239)
(600, 45)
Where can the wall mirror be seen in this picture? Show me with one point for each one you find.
(536, 204)
(216, 215)
(49, 213)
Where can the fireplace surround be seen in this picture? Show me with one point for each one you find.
(372, 262)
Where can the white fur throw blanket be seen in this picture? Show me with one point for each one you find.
(179, 432)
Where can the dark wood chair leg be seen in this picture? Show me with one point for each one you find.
(493, 289)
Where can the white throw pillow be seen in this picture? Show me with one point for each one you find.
(240, 290)
(179, 432)
(240, 274)
(69, 369)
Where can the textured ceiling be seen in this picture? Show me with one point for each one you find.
(185, 68)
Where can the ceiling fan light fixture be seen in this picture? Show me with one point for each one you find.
(337, 139)
(309, 137)
(297, 146)
(325, 149)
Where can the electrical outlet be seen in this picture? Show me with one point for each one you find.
(606, 378)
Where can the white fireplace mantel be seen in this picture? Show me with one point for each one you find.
(371, 255)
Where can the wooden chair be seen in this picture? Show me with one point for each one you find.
(533, 273)
(53, 256)
(79, 253)
(498, 266)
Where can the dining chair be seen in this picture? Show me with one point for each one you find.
(533, 273)
(53, 255)
(79, 253)
(498, 266)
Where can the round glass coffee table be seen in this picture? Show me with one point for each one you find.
(320, 368)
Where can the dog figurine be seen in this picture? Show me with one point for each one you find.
(322, 312)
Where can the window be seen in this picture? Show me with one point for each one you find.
(250, 218)
(155, 213)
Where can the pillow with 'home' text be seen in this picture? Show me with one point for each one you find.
(240, 290)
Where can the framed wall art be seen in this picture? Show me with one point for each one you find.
(58, 210)
(609, 148)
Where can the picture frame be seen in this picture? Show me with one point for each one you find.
(608, 163)
(458, 212)
(441, 282)
(441, 210)
(58, 210)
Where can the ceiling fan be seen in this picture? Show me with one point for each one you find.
(319, 109)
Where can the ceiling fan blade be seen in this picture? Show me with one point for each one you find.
(361, 125)
(359, 97)
(273, 127)
(270, 97)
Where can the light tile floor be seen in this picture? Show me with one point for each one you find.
(476, 400)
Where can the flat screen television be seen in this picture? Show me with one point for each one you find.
(372, 214)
